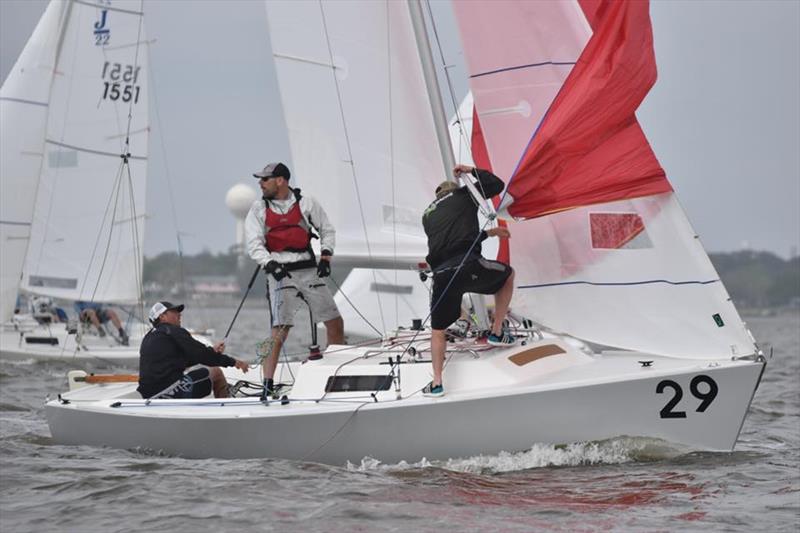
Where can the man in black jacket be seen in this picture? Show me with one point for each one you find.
(454, 256)
(168, 350)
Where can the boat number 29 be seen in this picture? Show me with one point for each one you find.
(706, 396)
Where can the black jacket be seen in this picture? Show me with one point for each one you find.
(166, 352)
(451, 222)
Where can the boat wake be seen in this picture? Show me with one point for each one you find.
(612, 451)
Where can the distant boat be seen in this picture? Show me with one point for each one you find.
(623, 326)
(74, 169)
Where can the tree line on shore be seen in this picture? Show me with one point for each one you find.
(753, 279)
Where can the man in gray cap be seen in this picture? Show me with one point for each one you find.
(278, 233)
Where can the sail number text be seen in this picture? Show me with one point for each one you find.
(119, 82)
(706, 396)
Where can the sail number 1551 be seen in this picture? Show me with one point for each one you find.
(705, 396)
(119, 82)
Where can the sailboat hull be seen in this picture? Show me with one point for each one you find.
(56, 344)
(592, 405)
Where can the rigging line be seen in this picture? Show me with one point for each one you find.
(530, 142)
(391, 163)
(99, 235)
(59, 57)
(336, 373)
(124, 139)
(522, 67)
(135, 67)
(355, 411)
(329, 439)
(368, 342)
(124, 145)
(168, 178)
(350, 155)
(444, 63)
(110, 231)
(355, 308)
(447, 287)
(137, 252)
(620, 283)
(455, 104)
(124, 148)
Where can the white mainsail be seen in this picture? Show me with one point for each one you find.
(23, 117)
(359, 122)
(87, 231)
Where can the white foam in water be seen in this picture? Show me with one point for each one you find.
(612, 451)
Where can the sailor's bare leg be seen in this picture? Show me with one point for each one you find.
(501, 300)
(91, 316)
(438, 346)
(218, 382)
(114, 318)
(335, 329)
(268, 365)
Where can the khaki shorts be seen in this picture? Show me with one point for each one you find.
(286, 304)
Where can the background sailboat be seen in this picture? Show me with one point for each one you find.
(78, 97)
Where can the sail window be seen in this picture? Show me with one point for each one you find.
(53, 283)
(402, 220)
(358, 383)
(62, 158)
(390, 288)
(618, 231)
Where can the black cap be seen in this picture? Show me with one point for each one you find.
(273, 170)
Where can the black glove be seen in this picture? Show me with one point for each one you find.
(277, 270)
(324, 268)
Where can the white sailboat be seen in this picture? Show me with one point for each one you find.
(74, 157)
(637, 335)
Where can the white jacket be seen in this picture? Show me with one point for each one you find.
(255, 230)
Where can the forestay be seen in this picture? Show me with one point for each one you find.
(23, 108)
(87, 228)
(361, 133)
(618, 264)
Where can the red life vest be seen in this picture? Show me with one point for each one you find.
(284, 232)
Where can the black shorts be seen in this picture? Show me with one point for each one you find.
(479, 276)
(194, 384)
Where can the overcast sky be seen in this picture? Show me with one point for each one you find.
(723, 118)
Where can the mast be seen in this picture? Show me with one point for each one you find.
(479, 310)
(432, 84)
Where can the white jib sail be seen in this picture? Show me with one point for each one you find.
(23, 116)
(87, 229)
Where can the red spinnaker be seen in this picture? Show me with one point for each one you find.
(590, 148)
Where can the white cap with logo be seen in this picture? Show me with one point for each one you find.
(159, 308)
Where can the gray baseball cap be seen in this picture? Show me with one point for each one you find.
(273, 170)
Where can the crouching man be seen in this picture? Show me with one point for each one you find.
(168, 350)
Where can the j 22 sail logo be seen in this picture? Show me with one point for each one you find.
(102, 33)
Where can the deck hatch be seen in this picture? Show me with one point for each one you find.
(358, 383)
(529, 356)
